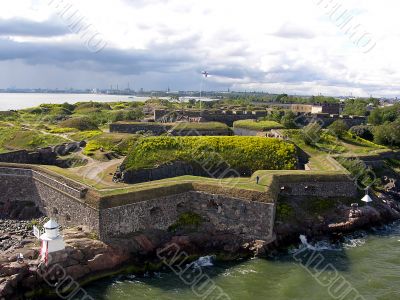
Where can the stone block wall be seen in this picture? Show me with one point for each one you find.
(55, 199)
(159, 129)
(345, 189)
(156, 129)
(44, 156)
(247, 219)
(16, 185)
(245, 132)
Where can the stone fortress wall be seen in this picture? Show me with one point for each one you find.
(54, 199)
(230, 116)
(246, 219)
(159, 129)
(44, 156)
(69, 205)
(163, 118)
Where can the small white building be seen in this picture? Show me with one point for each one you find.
(51, 239)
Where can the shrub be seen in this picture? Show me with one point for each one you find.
(363, 131)
(187, 219)
(127, 115)
(360, 172)
(91, 104)
(118, 143)
(242, 154)
(81, 124)
(62, 130)
(311, 133)
(288, 120)
(387, 134)
(339, 128)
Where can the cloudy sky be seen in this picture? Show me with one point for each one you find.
(306, 47)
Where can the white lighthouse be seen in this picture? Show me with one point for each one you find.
(51, 239)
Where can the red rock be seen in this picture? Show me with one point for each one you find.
(106, 261)
(6, 288)
(181, 240)
(13, 268)
(144, 243)
(77, 271)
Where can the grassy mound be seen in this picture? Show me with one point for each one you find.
(116, 142)
(81, 124)
(15, 138)
(241, 153)
(257, 125)
(200, 126)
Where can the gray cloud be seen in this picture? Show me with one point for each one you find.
(23, 27)
(158, 59)
(177, 65)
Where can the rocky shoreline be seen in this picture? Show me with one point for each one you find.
(86, 259)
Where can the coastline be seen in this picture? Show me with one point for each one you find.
(80, 239)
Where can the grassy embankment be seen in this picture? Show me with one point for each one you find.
(18, 138)
(257, 125)
(180, 125)
(241, 153)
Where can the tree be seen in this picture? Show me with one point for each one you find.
(312, 133)
(281, 98)
(275, 115)
(375, 118)
(356, 107)
(288, 120)
(363, 131)
(339, 128)
(387, 134)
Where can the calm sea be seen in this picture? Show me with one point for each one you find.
(25, 100)
(366, 262)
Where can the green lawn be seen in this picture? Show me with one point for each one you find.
(329, 144)
(257, 125)
(240, 153)
(17, 138)
(200, 126)
(119, 143)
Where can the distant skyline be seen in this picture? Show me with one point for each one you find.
(296, 47)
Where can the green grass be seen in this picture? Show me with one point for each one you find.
(257, 125)
(328, 144)
(241, 153)
(80, 123)
(186, 220)
(85, 135)
(117, 142)
(144, 124)
(62, 130)
(16, 138)
(200, 126)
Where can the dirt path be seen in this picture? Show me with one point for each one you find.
(97, 170)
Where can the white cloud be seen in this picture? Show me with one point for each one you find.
(286, 45)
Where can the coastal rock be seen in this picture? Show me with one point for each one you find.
(13, 268)
(106, 261)
(77, 271)
(145, 243)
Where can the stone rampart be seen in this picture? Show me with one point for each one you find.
(159, 129)
(43, 156)
(247, 219)
(54, 198)
(156, 129)
(309, 186)
(235, 214)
